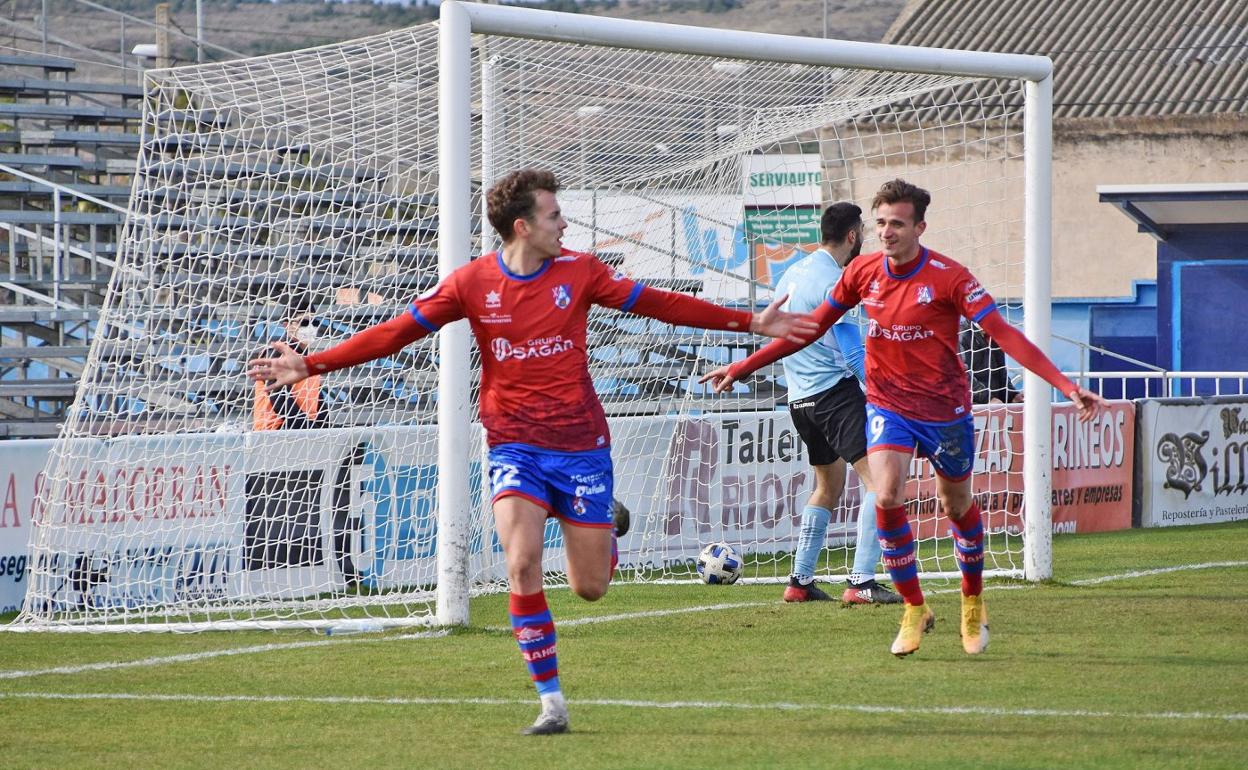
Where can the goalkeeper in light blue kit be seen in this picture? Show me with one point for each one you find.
(829, 411)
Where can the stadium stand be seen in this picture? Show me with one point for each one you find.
(68, 149)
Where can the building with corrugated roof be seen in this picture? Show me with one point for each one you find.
(1145, 92)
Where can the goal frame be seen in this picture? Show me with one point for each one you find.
(459, 21)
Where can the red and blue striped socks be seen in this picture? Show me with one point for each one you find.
(897, 544)
(968, 541)
(534, 629)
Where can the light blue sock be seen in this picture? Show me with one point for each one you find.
(867, 552)
(810, 541)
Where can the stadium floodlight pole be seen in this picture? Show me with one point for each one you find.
(454, 246)
(1037, 318)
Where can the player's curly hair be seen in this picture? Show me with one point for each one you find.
(900, 190)
(512, 198)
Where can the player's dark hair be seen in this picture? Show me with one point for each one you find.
(513, 197)
(838, 221)
(900, 190)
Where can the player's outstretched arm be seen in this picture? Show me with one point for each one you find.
(721, 379)
(1088, 403)
(287, 369)
(1021, 349)
(374, 342)
(774, 322)
(683, 310)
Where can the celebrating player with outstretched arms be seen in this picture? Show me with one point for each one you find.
(549, 447)
(918, 396)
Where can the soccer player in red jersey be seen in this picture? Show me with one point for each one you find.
(918, 396)
(549, 447)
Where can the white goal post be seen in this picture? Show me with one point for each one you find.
(459, 21)
(339, 182)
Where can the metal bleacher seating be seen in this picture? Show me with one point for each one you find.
(69, 143)
(67, 160)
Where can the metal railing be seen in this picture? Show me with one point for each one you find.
(1163, 384)
(49, 255)
(1151, 381)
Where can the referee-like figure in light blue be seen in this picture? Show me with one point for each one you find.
(828, 409)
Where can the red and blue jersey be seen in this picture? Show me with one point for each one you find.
(535, 382)
(913, 367)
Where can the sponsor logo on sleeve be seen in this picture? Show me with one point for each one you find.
(974, 292)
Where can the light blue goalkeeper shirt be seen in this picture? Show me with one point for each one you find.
(839, 352)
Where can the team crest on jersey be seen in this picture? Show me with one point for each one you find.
(924, 294)
(563, 295)
(875, 287)
(493, 299)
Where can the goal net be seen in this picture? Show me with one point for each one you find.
(301, 191)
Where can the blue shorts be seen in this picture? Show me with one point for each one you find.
(949, 445)
(577, 487)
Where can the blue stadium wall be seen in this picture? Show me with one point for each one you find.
(1202, 301)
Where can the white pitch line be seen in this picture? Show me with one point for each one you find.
(1158, 571)
(192, 657)
(646, 614)
(643, 704)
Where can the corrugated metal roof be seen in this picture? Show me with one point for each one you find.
(1112, 58)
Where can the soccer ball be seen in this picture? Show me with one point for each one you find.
(719, 563)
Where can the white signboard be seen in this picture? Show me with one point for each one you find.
(159, 520)
(21, 473)
(1193, 461)
(783, 181)
(684, 241)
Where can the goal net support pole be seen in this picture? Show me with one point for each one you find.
(1037, 267)
(460, 21)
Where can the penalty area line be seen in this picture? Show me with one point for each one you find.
(984, 711)
(1158, 571)
(586, 621)
(194, 657)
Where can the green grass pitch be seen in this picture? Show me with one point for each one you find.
(1145, 669)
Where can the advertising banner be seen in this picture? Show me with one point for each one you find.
(714, 243)
(1092, 471)
(21, 472)
(783, 199)
(282, 514)
(1192, 455)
